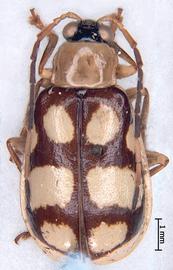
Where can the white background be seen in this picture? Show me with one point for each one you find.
(151, 23)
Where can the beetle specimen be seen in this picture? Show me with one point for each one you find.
(85, 170)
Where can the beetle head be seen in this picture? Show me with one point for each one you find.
(87, 30)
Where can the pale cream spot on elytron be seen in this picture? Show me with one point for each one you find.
(106, 237)
(34, 139)
(58, 125)
(111, 186)
(140, 196)
(50, 186)
(103, 126)
(130, 139)
(60, 236)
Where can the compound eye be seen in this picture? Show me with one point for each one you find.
(106, 33)
(70, 29)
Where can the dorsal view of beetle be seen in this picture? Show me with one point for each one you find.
(85, 169)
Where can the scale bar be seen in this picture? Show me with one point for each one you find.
(158, 234)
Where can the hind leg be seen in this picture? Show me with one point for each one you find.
(156, 162)
(16, 147)
(22, 236)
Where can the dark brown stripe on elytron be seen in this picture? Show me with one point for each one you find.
(109, 215)
(114, 153)
(31, 219)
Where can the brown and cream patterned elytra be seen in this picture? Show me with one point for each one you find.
(82, 172)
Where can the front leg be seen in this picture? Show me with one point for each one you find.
(124, 71)
(118, 16)
(35, 20)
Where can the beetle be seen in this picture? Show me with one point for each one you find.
(85, 169)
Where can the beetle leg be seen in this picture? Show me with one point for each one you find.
(47, 73)
(131, 93)
(156, 161)
(34, 19)
(22, 236)
(53, 38)
(47, 31)
(118, 16)
(16, 148)
(121, 53)
(125, 71)
(41, 83)
(144, 113)
(139, 63)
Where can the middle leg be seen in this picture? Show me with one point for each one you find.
(156, 161)
(132, 93)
